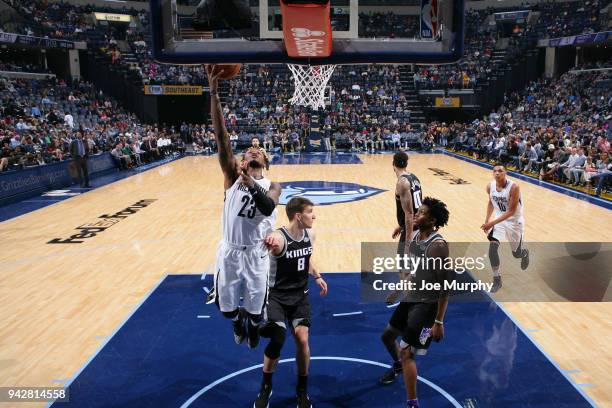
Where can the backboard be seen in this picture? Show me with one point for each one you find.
(362, 31)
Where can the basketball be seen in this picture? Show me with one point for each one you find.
(228, 71)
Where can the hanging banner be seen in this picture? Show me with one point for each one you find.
(192, 90)
(448, 102)
(122, 18)
(35, 41)
(430, 26)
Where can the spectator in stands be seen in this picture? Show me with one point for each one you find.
(528, 159)
(5, 154)
(234, 140)
(604, 173)
(197, 145)
(255, 143)
(121, 159)
(129, 153)
(267, 144)
(566, 167)
(574, 173)
(69, 120)
(294, 141)
(137, 151)
(150, 146)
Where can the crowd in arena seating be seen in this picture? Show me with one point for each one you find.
(63, 20)
(559, 19)
(56, 20)
(367, 108)
(555, 130)
(478, 62)
(39, 118)
(12, 66)
(388, 25)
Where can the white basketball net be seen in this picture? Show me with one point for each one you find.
(310, 83)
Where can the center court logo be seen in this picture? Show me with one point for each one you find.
(326, 192)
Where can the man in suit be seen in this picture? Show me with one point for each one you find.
(79, 150)
(151, 148)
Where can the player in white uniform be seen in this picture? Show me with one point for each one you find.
(249, 214)
(504, 198)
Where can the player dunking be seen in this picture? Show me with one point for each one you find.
(504, 197)
(249, 214)
(423, 317)
(408, 197)
(288, 303)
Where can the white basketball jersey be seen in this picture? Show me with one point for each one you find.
(501, 202)
(243, 223)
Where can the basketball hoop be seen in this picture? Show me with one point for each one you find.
(310, 82)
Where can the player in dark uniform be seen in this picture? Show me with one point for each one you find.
(424, 316)
(288, 304)
(408, 198)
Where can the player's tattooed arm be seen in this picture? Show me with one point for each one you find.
(439, 249)
(264, 201)
(226, 156)
(275, 192)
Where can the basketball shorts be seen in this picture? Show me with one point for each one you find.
(511, 232)
(414, 321)
(291, 306)
(241, 271)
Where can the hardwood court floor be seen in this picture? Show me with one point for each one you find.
(60, 301)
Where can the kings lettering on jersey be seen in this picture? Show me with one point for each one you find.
(297, 253)
(289, 270)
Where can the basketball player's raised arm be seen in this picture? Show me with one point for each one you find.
(439, 249)
(226, 157)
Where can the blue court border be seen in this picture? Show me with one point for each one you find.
(565, 373)
(109, 338)
(556, 188)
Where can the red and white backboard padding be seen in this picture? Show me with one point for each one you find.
(307, 28)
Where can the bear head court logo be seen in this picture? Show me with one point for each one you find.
(326, 192)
